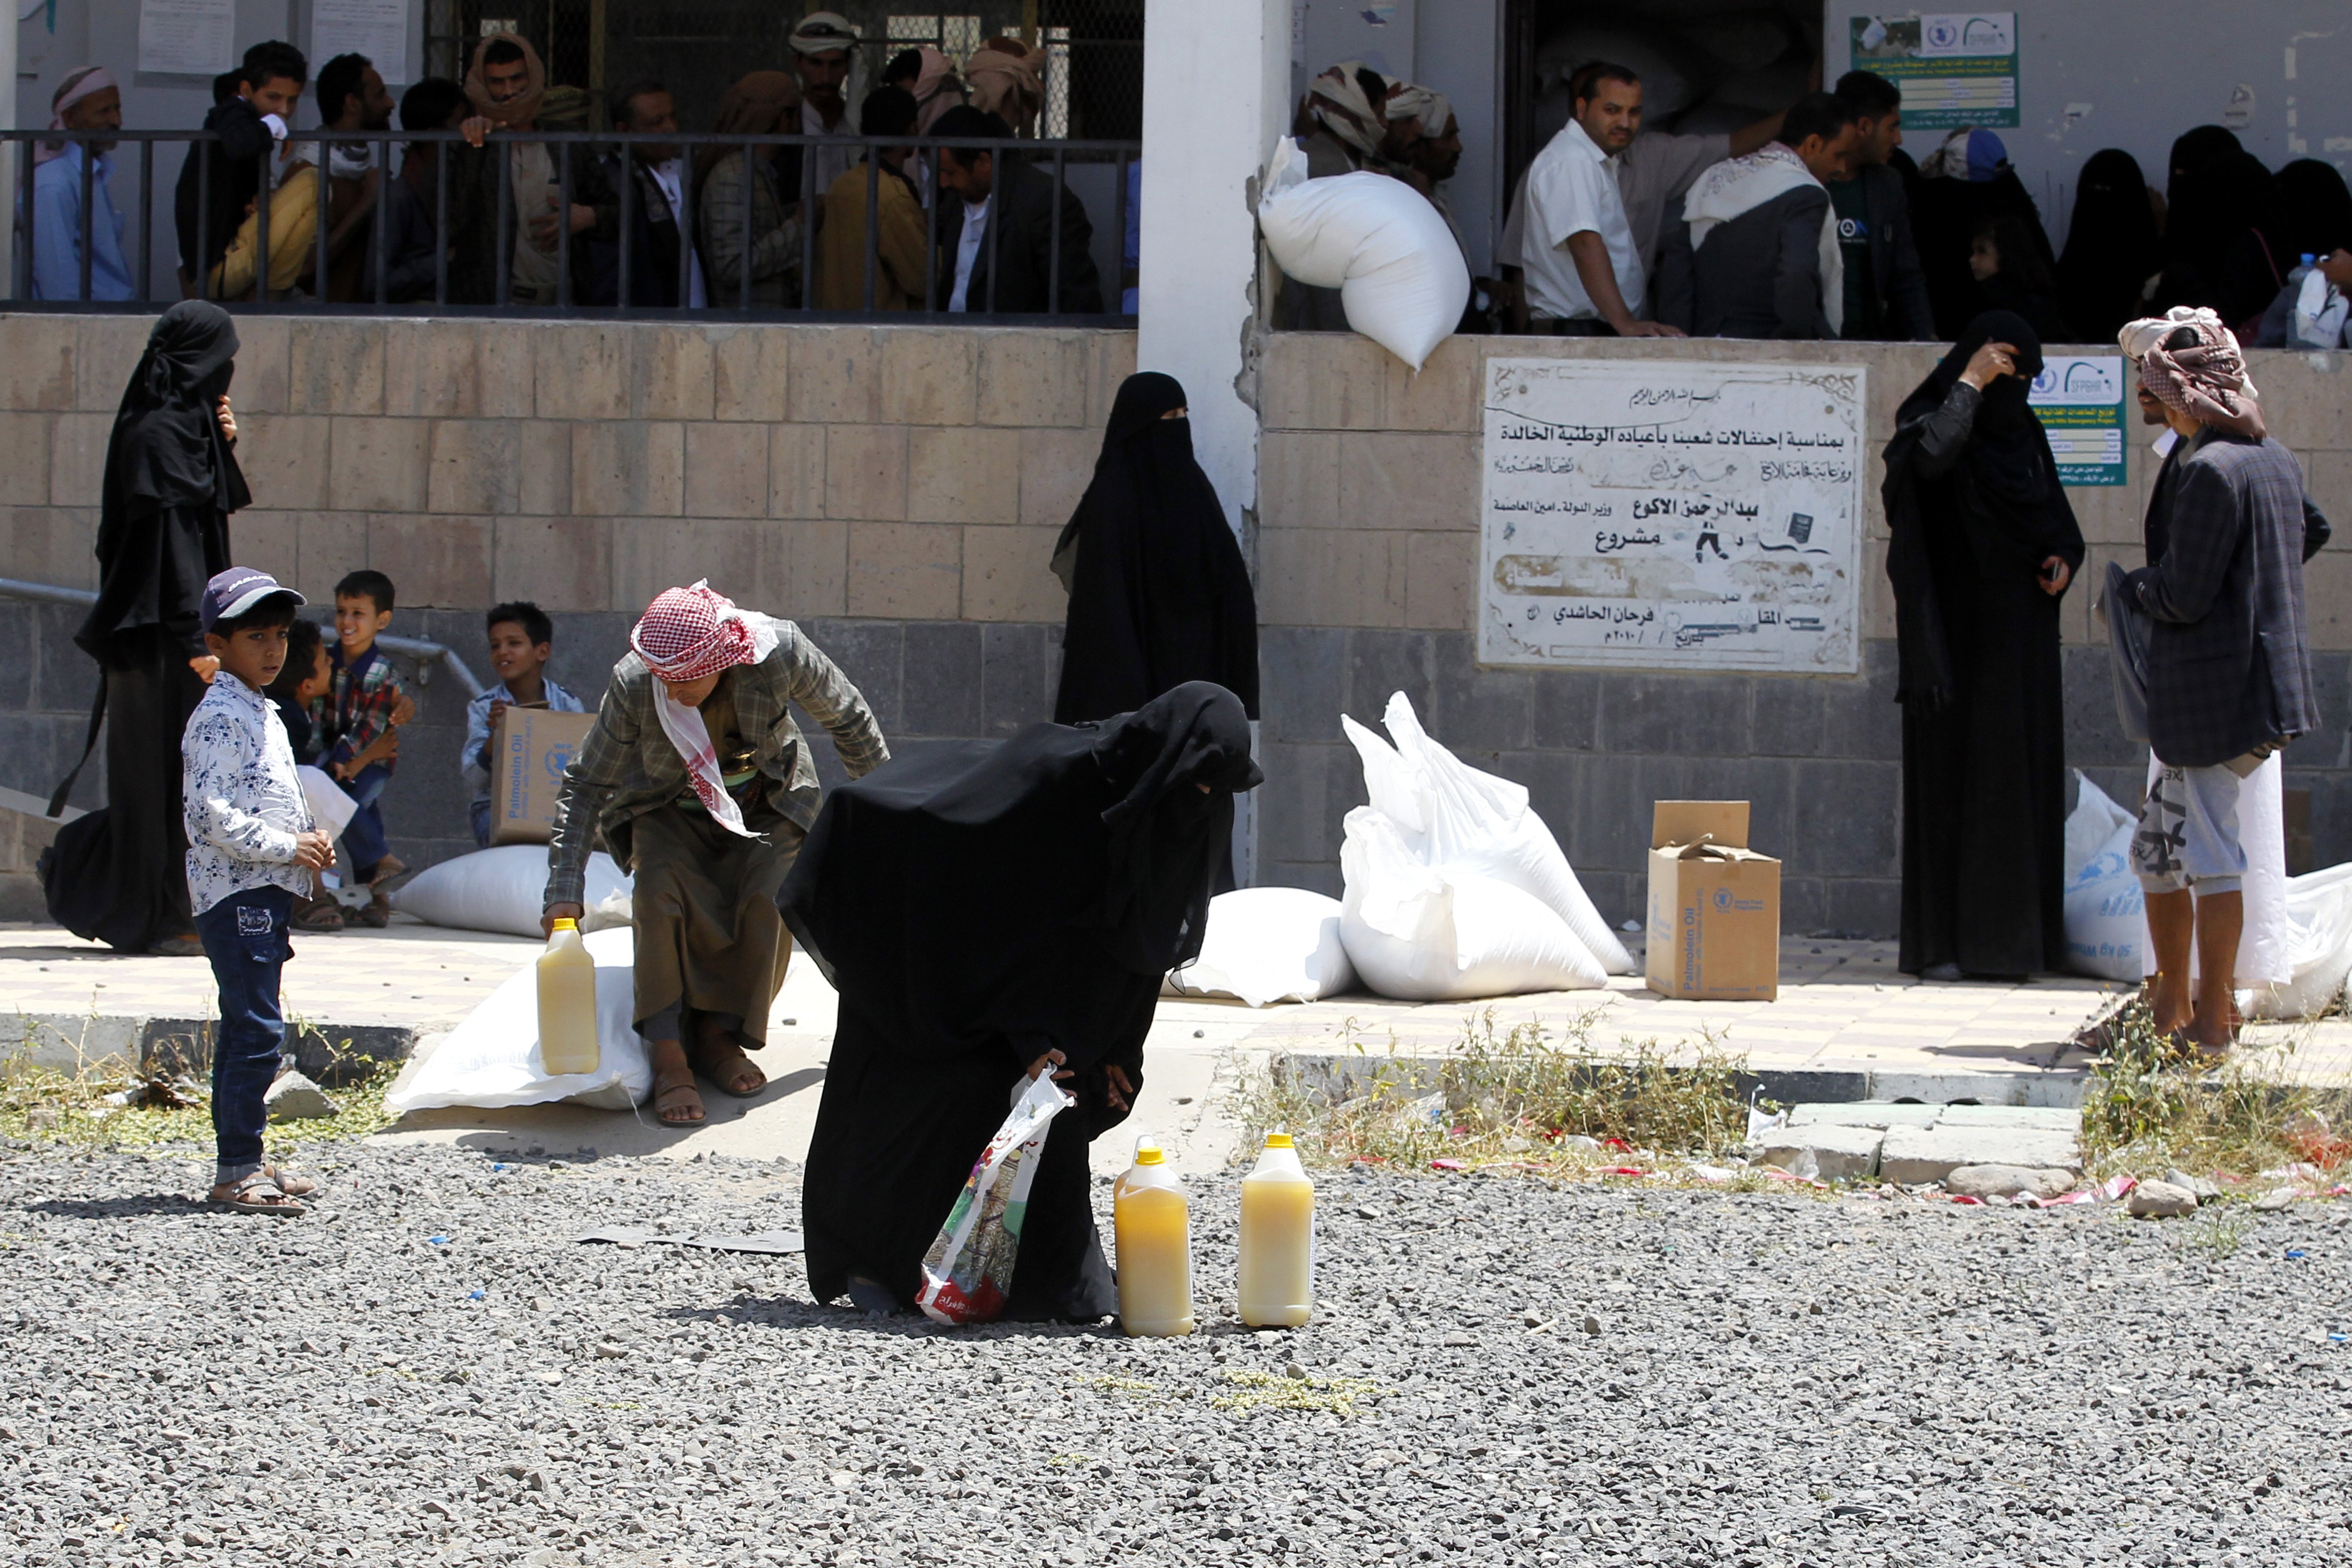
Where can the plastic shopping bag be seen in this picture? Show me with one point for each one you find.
(968, 1269)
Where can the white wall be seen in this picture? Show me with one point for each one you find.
(2135, 74)
(1198, 251)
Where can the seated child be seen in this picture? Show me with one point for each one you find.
(357, 711)
(307, 676)
(521, 642)
(252, 850)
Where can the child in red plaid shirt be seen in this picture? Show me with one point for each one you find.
(356, 712)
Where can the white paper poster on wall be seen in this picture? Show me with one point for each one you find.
(1671, 515)
(377, 29)
(190, 38)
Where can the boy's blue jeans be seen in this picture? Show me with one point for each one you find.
(364, 837)
(244, 936)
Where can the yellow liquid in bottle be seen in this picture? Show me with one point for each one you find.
(1278, 1251)
(1153, 1227)
(567, 1006)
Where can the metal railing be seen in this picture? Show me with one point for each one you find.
(925, 156)
(426, 654)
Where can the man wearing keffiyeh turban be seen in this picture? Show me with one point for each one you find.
(2226, 666)
(702, 786)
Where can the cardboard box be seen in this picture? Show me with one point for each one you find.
(1714, 906)
(530, 748)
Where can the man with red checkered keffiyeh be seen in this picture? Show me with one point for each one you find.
(703, 786)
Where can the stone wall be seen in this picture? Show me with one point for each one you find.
(1368, 545)
(895, 490)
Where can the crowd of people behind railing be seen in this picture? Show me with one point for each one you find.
(475, 213)
(1813, 223)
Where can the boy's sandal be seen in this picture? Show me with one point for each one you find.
(176, 947)
(375, 915)
(724, 1065)
(292, 1185)
(321, 916)
(256, 1194)
(676, 1093)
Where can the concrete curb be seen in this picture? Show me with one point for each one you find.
(1342, 1077)
(326, 1052)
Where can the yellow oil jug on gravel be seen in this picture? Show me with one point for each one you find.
(1277, 1240)
(1153, 1226)
(567, 1002)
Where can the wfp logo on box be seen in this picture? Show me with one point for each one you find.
(1724, 903)
(559, 757)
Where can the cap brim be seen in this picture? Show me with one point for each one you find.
(254, 595)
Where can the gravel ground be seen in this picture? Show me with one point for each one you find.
(426, 1369)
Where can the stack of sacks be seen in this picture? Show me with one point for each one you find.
(1455, 889)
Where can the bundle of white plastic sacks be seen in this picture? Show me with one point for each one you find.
(2296, 947)
(1455, 888)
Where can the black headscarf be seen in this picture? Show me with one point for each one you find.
(171, 480)
(2226, 240)
(2113, 248)
(1158, 593)
(2002, 496)
(2316, 208)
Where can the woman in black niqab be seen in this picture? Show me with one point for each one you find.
(118, 874)
(1158, 593)
(2112, 248)
(978, 906)
(1983, 543)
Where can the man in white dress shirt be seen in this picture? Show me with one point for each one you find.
(1583, 271)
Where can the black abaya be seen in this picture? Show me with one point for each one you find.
(975, 906)
(2112, 248)
(119, 875)
(1974, 506)
(1158, 594)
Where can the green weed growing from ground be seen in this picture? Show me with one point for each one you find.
(2154, 1104)
(1528, 1097)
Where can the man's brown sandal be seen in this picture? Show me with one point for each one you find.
(676, 1092)
(256, 1194)
(724, 1064)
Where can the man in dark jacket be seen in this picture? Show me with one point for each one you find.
(996, 243)
(1755, 253)
(1885, 292)
(659, 190)
(228, 174)
(2228, 660)
(411, 237)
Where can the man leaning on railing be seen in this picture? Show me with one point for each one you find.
(87, 99)
(221, 179)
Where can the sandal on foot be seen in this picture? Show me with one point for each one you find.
(256, 1194)
(176, 947)
(676, 1093)
(724, 1065)
(317, 915)
(292, 1185)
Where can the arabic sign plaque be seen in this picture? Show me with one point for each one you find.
(1671, 515)
(2079, 401)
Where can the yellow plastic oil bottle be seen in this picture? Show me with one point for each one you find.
(1153, 1226)
(1277, 1240)
(567, 1002)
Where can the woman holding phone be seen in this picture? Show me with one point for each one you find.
(1983, 545)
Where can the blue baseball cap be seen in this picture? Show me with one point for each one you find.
(232, 592)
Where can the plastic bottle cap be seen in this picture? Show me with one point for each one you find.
(1150, 1155)
(566, 924)
(1277, 1141)
(2309, 257)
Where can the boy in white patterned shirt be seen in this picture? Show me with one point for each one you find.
(252, 846)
